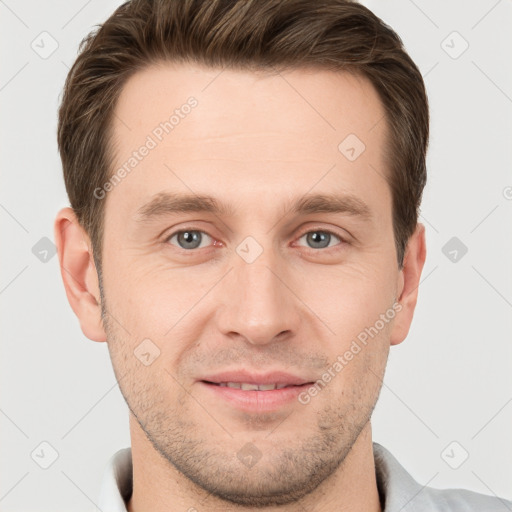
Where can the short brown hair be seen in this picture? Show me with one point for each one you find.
(245, 35)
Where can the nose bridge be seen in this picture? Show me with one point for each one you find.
(259, 305)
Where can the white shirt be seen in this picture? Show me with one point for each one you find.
(398, 490)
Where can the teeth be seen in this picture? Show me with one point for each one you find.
(249, 387)
(266, 387)
(252, 387)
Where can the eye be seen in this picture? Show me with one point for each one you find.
(189, 239)
(320, 238)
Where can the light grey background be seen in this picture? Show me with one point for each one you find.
(451, 380)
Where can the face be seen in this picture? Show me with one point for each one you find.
(286, 264)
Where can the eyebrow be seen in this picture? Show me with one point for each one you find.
(164, 204)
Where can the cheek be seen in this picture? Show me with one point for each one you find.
(143, 368)
(159, 313)
(360, 364)
(350, 387)
(350, 298)
(151, 302)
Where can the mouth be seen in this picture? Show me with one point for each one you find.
(249, 386)
(254, 397)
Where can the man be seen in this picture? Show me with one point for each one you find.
(245, 179)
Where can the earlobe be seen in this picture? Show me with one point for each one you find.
(408, 283)
(79, 273)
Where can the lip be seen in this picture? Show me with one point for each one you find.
(276, 377)
(255, 401)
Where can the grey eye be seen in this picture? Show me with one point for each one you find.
(189, 239)
(319, 239)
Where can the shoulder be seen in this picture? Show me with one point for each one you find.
(462, 500)
(400, 492)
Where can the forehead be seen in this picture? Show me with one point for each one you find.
(247, 130)
(300, 100)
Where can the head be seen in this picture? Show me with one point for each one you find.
(245, 179)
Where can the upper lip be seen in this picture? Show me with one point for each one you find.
(277, 377)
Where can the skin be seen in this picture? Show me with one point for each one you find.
(254, 143)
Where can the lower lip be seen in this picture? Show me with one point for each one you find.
(256, 401)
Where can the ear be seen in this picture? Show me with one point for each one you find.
(79, 273)
(408, 283)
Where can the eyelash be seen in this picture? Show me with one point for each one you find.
(315, 230)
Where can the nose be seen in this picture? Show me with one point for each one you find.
(259, 303)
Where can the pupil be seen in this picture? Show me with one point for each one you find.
(190, 239)
(319, 239)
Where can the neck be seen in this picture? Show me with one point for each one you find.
(158, 486)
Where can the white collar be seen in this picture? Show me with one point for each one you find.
(117, 483)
